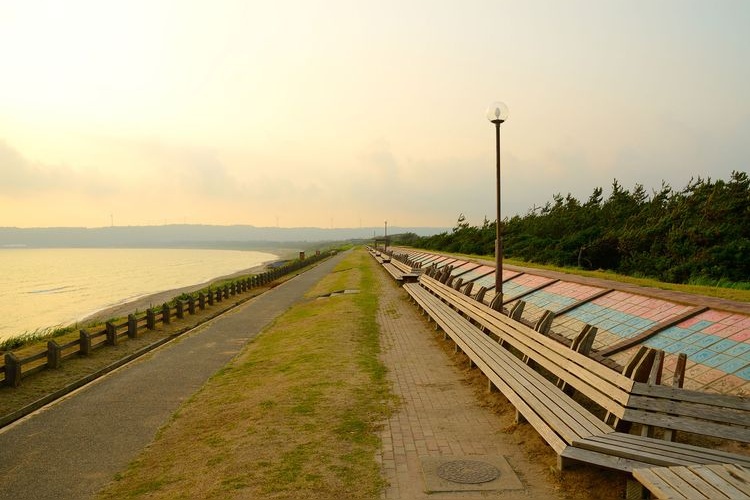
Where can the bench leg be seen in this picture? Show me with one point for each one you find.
(564, 463)
(491, 387)
(635, 490)
(520, 419)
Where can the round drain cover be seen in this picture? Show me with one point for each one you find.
(467, 471)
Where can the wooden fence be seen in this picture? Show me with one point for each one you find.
(15, 369)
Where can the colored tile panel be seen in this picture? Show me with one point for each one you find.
(733, 365)
(478, 272)
(744, 373)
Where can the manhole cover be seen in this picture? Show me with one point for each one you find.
(468, 471)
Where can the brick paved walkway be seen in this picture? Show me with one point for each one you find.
(439, 415)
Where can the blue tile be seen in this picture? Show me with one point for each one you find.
(694, 338)
(624, 330)
(738, 349)
(716, 360)
(708, 340)
(690, 349)
(659, 342)
(723, 345)
(679, 346)
(607, 324)
(733, 365)
(701, 356)
(700, 325)
(677, 333)
(744, 373)
(702, 340)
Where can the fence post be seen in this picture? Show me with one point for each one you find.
(150, 319)
(226, 291)
(201, 301)
(191, 305)
(12, 370)
(165, 314)
(132, 326)
(180, 309)
(85, 343)
(111, 333)
(210, 297)
(54, 354)
(218, 295)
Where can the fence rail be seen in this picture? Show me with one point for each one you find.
(15, 368)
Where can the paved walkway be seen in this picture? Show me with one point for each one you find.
(439, 420)
(71, 449)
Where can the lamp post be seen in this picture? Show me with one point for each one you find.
(497, 113)
(385, 236)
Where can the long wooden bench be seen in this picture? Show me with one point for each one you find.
(618, 397)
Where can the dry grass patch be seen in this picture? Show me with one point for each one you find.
(293, 416)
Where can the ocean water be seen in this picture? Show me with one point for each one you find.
(49, 288)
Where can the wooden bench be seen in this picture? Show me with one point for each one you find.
(400, 272)
(710, 482)
(620, 399)
(556, 417)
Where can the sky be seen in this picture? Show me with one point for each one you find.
(350, 113)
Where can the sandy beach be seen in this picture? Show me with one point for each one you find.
(156, 299)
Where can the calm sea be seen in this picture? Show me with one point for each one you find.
(47, 288)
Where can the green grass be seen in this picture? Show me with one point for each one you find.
(294, 416)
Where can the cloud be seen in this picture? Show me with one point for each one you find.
(21, 176)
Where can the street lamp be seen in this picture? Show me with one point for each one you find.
(497, 113)
(385, 237)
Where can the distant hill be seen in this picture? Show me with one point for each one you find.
(189, 235)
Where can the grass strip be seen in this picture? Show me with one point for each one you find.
(293, 416)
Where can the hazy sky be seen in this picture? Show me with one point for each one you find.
(347, 113)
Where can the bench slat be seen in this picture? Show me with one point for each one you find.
(680, 453)
(685, 422)
(603, 459)
(665, 484)
(735, 475)
(719, 400)
(710, 477)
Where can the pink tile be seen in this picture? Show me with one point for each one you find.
(716, 329)
(732, 319)
(742, 336)
(728, 331)
(712, 315)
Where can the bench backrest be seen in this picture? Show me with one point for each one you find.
(605, 387)
(716, 415)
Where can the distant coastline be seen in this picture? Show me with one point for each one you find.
(193, 236)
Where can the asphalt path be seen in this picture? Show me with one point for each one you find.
(74, 447)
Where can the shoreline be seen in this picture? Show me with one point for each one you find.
(156, 299)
